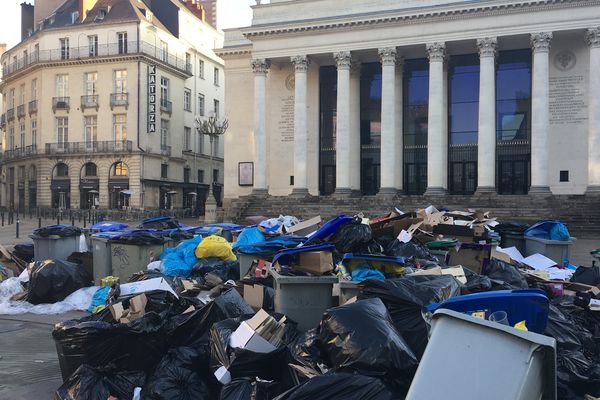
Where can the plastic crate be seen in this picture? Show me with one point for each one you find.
(303, 298)
(469, 358)
(54, 247)
(556, 250)
(529, 305)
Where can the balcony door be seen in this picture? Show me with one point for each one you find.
(91, 132)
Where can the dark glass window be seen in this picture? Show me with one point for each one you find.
(415, 108)
(513, 121)
(370, 128)
(327, 131)
(164, 171)
(463, 118)
(62, 170)
(200, 176)
(186, 175)
(90, 169)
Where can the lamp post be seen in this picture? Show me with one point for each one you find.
(213, 128)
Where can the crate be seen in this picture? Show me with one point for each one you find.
(556, 250)
(469, 358)
(303, 298)
(54, 247)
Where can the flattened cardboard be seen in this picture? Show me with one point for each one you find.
(254, 296)
(305, 227)
(473, 257)
(146, 286)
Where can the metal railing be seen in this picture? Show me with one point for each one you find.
(119, 99)
(103, 50)
(166, 106)
(21, 111)
(89, 101)
(10, 114)
(165, 150)
(3, 119)
(33, 106)
(107, 146)
(61, 103)
(20, 152)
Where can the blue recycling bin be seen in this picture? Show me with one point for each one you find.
(529, 305)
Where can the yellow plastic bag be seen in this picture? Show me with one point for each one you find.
(215, 246)
(521, 325)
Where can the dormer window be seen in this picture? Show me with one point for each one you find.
(102, 12)
(74, 17)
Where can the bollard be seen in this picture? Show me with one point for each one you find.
(57, 219)
(17, 228)
(2, 218)
(84, 220)
(39, 222)
(72, 220)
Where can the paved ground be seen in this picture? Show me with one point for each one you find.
(28, 363)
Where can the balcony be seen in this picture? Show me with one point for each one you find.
(22, 152)
(119, 99)
(166, 106)
(21, 111)
(107, 146)
(165, 150)
(61, 103)
(104, 50)
(89, 101)
(2, 120)
(33, 107)
(188, 67)
(10, 114)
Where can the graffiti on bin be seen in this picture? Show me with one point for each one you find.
(119, 251)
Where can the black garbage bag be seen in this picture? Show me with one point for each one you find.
(138, 238)
(180, 235)
(413, 249)
(88, 383)
(306, 351)
(351, 237)
(250, 389)
(58, 230)
(360, 337)
(24, 252)
(243, 363)
(160, 223)
(137, 346)
(53, 280)
(179, 375)
(339, 386)
(587, 275)
(577, 332)
(505, 272)
(405, 298)
(226, 270)
(475, 283)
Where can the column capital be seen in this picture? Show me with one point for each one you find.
(260, 66)
(343, 59)
(540, 42)
(487, 46)
(387, 55)
(301, 63)
(592, 37)
(436, 51)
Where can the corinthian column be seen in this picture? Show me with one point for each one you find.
(260, 67)
(388, 121)
(437, 153)
(540, 113)
(486, 142)
(342, 156)
(300, 131)
(593, 41)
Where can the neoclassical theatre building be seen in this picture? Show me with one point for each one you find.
(390, 97)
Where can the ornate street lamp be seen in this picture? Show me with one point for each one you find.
(213, 128)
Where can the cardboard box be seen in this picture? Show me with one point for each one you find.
(315, 262)
(137, 308)
(475, 257)
(254, 295)
(305, 227)
(246, 337)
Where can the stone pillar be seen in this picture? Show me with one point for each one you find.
(486, 142)
(388, 121)
(437, 152)
(593, 40)
(260, 68)
(355, 127)
(540, 113)
(300, 129)
(398, 161)
(342, 156)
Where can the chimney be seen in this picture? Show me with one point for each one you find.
(84, 7)
(27, 24)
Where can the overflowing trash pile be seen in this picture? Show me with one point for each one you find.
(349, 308)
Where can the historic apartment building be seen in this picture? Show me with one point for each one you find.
(99, 105)
(492, 97)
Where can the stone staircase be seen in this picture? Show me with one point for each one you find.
(581, 213)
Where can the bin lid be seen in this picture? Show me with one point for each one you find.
(285, 256)
(324, 279)
(373, 257)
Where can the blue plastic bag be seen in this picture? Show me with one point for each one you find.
(249, 236)
(99, 298)
(549, 230)
(365, 273)
(180, 260)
